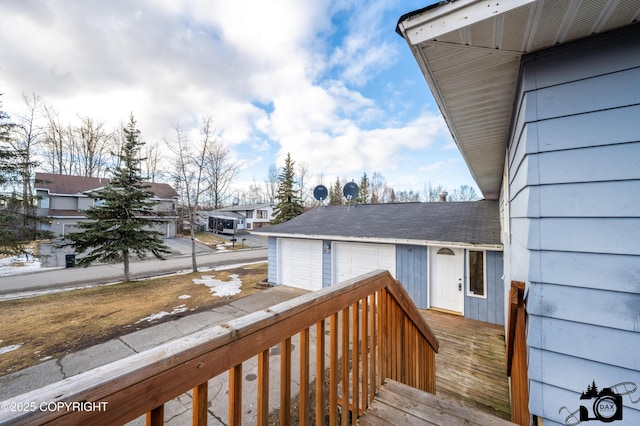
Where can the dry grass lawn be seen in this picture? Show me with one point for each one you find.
(54, 325)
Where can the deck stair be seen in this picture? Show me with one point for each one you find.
(399, 404)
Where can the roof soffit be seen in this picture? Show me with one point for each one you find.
(470, 51)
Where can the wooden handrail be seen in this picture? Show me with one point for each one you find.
(516, 300)
(143, 382)
(517, 355)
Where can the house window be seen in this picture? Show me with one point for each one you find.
(44, 203)
(477, 281)
(249, 214)
(262, 214)
(446, 252)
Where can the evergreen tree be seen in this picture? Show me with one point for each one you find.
(364, 196)
(120, 224)
(289, 203)
(335, 193)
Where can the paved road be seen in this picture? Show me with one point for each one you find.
(74, 277)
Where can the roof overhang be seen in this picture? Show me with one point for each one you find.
(470, 53)
(491, 247)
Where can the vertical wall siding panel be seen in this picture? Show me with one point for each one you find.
(272, 260)
(411, 271)
(326, 264)
(491, 309)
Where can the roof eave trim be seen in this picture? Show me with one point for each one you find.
(451, 16)
(494, 247)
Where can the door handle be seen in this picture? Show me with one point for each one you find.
(459, 286)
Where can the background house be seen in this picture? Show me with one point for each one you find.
(62, 199)
(543, 100)
(447, 255)
(255, 216)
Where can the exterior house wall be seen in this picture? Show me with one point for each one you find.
(59, 202)
(327, 273)
(574, 219)
(272, 260)
(84, 202)
(411, 271)
(490, 308)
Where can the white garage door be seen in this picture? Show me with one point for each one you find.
(300, 263)
(353, 259)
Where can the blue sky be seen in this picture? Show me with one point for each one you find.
(328, 81)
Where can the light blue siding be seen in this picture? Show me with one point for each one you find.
(411, 271)
(574, 188)
(272, 260)
(326, 264)
(491, 308)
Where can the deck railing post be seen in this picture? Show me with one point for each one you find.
(333, 371)
(235, 396)
(263, 388)
(155, 417)
(303, 413)
(200, 404)
(320, 365)
(285, 382)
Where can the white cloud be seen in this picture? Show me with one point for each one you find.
(276, 77)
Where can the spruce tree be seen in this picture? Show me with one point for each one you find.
(363, 196)
(120, 224)
(9, 240)
(289, 202)
(335, 193)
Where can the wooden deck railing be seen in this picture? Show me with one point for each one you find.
(517, 355)
(375, 332)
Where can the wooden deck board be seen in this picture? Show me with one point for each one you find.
(470, 365)
(399, 404)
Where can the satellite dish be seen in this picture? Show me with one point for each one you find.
(350, 190)
(320, 192)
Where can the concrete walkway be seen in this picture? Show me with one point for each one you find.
(178, 411)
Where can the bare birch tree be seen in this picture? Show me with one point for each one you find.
(271, 182)
(219, 169)
(190, 160)
(91, 145)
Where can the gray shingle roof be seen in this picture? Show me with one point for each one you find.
(474, 222)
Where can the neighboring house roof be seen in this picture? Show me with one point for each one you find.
(473, 222)
(243, 207)
(71, 185)
(220, 214)
(470, 52)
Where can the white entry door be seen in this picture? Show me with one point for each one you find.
(447, 270)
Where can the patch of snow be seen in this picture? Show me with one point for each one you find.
(161, 314)
(184, 296)
(10, 348)
(221, 288)
(46, 358)
(17, 265)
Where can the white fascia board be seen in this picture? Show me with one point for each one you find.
(491, 247)
(454, 16)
